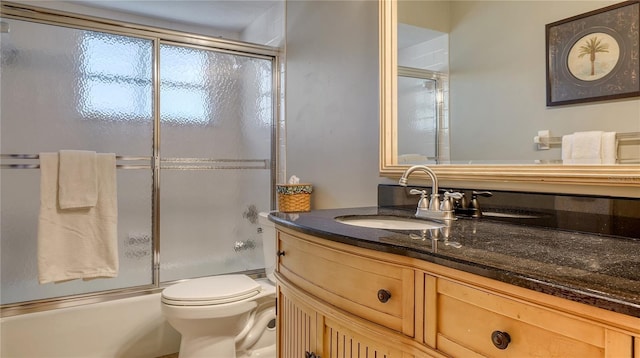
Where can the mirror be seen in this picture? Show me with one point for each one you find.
(495, 81)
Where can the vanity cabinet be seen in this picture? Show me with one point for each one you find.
(478, 323)
(339, 300)
(334, 303)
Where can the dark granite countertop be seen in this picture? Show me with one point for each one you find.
(599, 270)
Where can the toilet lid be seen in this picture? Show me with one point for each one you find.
(212, 290)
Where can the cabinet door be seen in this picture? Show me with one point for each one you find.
(384, 293)
(297, 326)
(342, 342)
(473, 320)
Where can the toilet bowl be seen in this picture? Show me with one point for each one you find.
(227, 316)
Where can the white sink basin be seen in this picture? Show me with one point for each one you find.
(389, 222)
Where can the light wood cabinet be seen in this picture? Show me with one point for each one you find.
(340, 341)
(308, 328)
(351, 282)
(473, 322)
(328, 306)
(297, 325)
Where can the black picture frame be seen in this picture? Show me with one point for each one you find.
(594, 56)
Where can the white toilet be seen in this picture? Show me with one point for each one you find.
(227, 316)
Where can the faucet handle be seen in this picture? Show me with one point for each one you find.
(475, 194)
(453, 194)
(474, 198)
(446, 204)
(424, 202)
(418, 192)
(475, 205)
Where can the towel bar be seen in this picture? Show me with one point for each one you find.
(545, 141)
(623, 138)
(183, 163)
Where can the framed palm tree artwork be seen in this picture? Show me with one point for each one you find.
(594, 56)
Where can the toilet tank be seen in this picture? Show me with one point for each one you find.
(268, 245)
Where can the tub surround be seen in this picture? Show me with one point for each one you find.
(128, 327)
(547, 254)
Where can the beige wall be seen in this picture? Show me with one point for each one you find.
(428, 14)
(498, 87)
(332, 100)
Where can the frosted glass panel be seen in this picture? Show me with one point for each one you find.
(63, 88)
(221, 109)
(56, 94)
(19, 205)
(417, 119)
(222, 106)
(203, 214)
(115, 73)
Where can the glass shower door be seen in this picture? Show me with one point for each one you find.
(216, 113)
(417, 120)
(65, 88)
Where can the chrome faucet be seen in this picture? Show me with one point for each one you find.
(429, 207)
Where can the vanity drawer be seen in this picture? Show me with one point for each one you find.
(350, 282)
(468, 317)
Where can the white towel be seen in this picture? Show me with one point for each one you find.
(594, 147)
(587, 147)
(77, 179)
(82, 242)
(567, 148)
(609, 148)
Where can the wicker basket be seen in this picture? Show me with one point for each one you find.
(294, 197)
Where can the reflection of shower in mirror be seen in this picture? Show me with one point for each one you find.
(422, 128)
(430, 85)
(8, 53)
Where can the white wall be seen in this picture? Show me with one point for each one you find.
(132, 327)
(268, 28)
(332, 100)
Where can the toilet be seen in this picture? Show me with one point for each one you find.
(227, 316)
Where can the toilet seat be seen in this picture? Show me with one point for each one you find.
(209, 291)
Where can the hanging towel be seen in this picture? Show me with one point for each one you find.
(80, 242)
(594, 147)
(587, 147)
(77, 179)
(609, 148)
(567, 146)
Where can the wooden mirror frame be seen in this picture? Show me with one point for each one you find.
(619, 179)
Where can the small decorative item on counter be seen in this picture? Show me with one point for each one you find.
(294, 197)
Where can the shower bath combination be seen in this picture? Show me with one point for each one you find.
(211, 113)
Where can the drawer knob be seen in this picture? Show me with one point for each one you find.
(384, 295)
(500, 339)
(280, 253)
